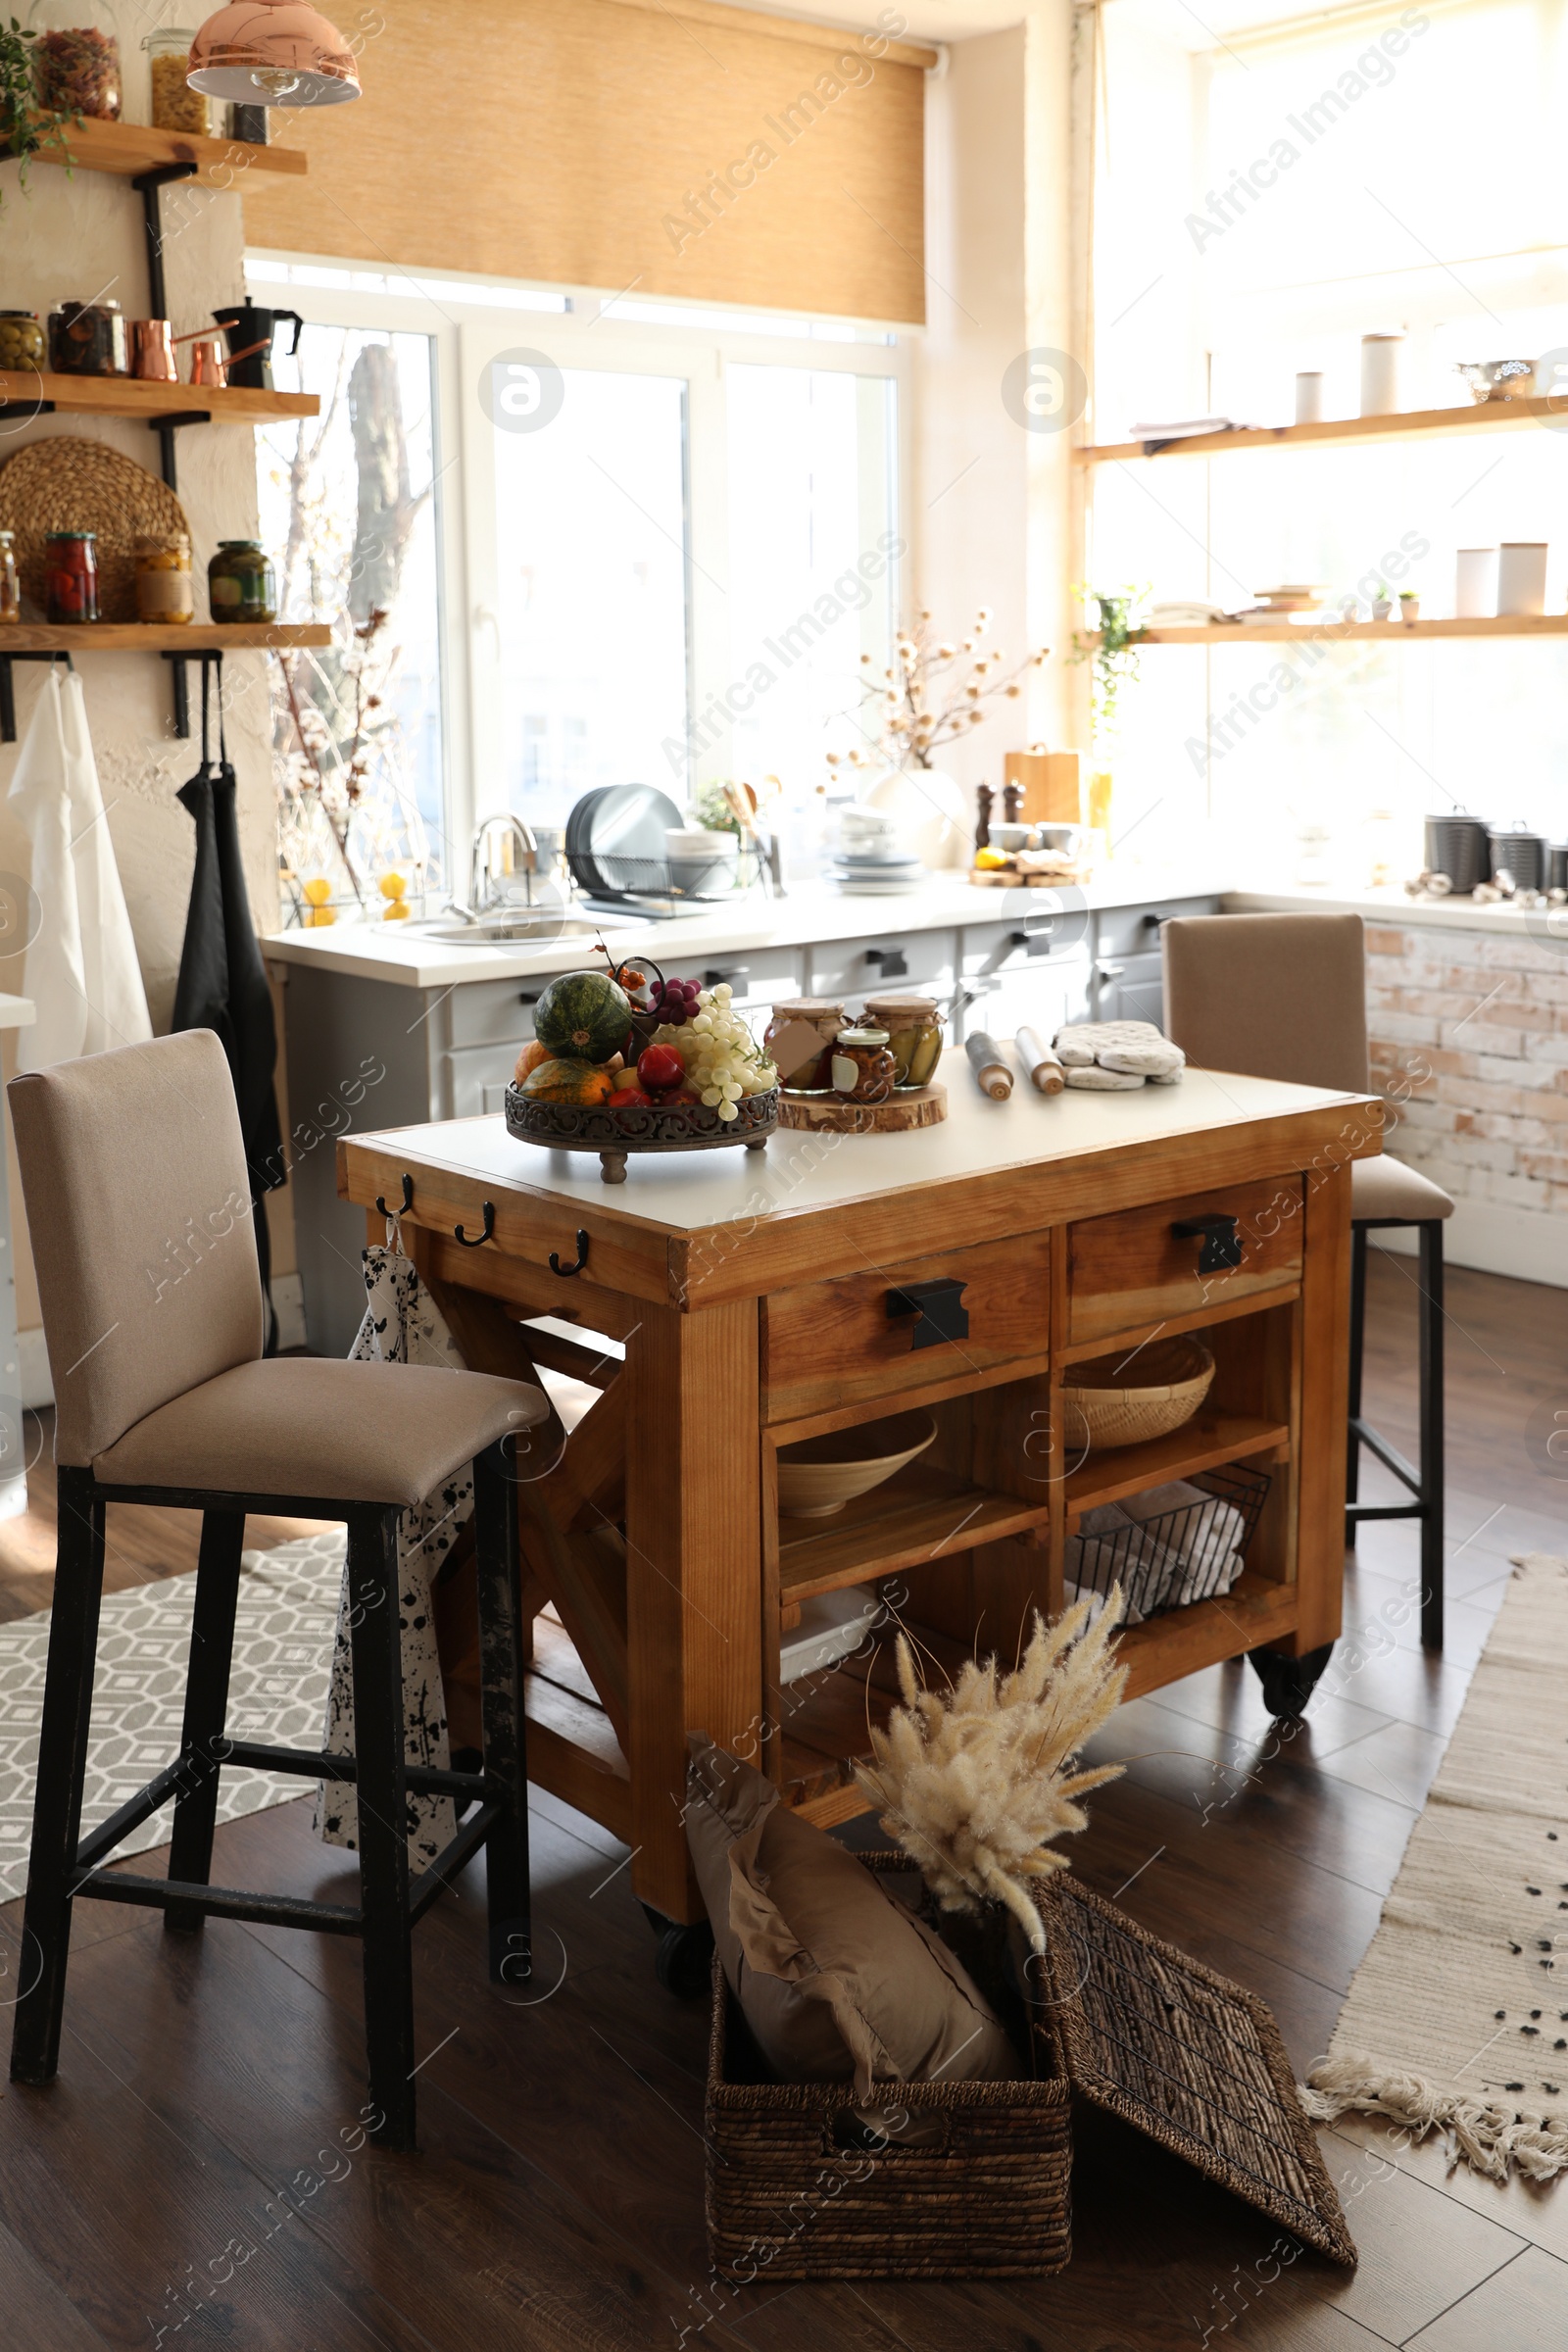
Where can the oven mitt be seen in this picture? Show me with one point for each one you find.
(1135, 1048)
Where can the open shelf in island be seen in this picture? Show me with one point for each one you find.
(1206, 1442)
(920, 1514)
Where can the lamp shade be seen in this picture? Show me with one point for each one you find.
(273, 53)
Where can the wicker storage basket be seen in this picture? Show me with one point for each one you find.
(1170, 1378)
(977, 2184)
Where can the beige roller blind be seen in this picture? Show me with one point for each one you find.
(671, 146)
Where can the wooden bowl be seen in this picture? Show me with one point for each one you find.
(818, 1476)
(1125, 1399)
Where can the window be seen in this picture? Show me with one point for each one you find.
(636, 543)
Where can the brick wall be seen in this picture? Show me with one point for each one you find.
(1474, 1025)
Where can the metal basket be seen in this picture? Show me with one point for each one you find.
(1173, 1559)
(660, 882)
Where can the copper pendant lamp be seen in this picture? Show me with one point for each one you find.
(273, 53)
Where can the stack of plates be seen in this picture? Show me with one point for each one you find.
(866, 876)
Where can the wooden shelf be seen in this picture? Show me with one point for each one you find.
(919, 1515)
(1255, 1614)
(1338, 432)
(1201, 1443)
(1338, 632)
(130, 148)
(159, 637)
(37, 392)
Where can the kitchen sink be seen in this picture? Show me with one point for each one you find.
(505, 930)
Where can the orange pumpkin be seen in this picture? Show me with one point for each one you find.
(563, 1081)
(528, 1060)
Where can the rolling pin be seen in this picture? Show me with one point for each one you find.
(1045, 1070)
(985, 1060)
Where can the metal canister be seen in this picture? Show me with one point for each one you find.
(1459, 846)
(1523, 855)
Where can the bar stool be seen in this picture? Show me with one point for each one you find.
(134, 1170)
(1284, 995)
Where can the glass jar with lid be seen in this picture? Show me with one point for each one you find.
(914, 1034)
(87, 339)
(241, 584)
(163, 588)
(22, 343)
(10, 590)
(76, 59)
(862, 1065)
(176, 105)
(799, 1042)
(71, 577)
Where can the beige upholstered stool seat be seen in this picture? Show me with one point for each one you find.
(1384, 1191)
(292, 1424)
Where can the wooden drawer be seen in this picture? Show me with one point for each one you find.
(835, 1343)
(1128, 1270)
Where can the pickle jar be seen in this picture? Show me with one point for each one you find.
(176, 105)
(799, 1042)
(87, 339)
(862, 1065)
(76, 59)
(914, 1035)
(241, 584)
(164, 587)
(71, 577)
(21, 342)
(9, 591)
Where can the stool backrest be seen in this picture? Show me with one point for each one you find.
(139, 1214)
(1270, 995)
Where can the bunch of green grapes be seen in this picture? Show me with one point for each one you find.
(724, 1060)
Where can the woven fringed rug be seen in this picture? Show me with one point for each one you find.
(1456, 2021)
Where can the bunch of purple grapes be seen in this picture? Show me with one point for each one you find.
(674, 1001)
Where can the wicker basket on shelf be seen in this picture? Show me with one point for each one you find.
(70, 483)
(1132, 1395)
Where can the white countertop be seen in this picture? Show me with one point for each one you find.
(802, 1171)
(813, 911)
(1548, 924)
(16, 1013)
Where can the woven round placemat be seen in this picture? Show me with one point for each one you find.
(72, 484)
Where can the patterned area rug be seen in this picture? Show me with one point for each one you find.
(1456, 2021)
(282, 1656)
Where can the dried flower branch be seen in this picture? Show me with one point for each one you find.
(973, 1785)
(934, 693)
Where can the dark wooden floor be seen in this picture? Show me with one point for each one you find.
(194, 2166)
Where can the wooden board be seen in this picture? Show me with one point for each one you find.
(1382, 632)
(921, 1106)
(128, 148)
(1338, 432)
(1201, 1443)
(128, 396)
(149, 637)
(1008, 877)
(917, 1516)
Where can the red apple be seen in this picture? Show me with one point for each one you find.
(629, 1097)
(659, 1067)
(682, 1094)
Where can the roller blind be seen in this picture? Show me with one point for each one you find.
(674, 146)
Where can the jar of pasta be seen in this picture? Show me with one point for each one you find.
(76, 59)
(163, 588)
(861, 1065)
(914, 1036)
(241, 584)
(176, 105)
(10, 591)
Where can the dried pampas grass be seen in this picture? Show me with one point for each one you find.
(975, 1783)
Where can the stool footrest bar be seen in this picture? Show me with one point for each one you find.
(1387, 1454)
(133, 1812)
(438, 1876)
(421, 1779)
(223, 1903)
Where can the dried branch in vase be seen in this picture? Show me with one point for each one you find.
(936, 691)
(975, 1784)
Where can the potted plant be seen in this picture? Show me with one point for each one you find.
(24, 125)
(1382, 602)
(1410, 604)
(1113, 650)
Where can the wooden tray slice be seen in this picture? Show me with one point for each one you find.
(921, 1106)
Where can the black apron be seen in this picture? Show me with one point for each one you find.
(223, 982)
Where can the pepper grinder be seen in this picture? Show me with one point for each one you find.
(1013, 803)
(982, 830)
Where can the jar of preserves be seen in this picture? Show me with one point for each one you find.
(22, 343)
(87, 339)
(71, 576)
(163, 588)
(799, 1042)
(862, 1065)
(176, 105)
(241, 584)
(915, 1033)
(76, 59)
(9, 591)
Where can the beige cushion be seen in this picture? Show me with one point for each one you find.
(1386, 1189)
(837, 1979)
(340, 1432)
(140, 1215)
(1270, 995)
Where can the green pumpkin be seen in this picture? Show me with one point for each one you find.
(580, 1082)
(584, 1016)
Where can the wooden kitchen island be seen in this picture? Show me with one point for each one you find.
(726, 1303)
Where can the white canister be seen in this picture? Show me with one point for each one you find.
(1380, 375)
(1522, 576)
(1309, 398)
(1475, 583)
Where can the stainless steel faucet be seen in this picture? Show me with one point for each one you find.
(503, 846)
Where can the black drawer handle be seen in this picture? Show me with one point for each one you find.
(940, 1310)
(1221, 1252)
(736, 972)
(892, 962)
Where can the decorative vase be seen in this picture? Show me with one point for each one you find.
(932, 811)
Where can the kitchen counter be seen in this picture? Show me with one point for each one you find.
(1546, 924)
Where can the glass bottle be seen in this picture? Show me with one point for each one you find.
(799, 1042)
(87, 339)
(914, 1034)
(71, 577)
(22, 344)
(176, 105)
(862, 1067)
(241, 584)
(163, 589)
(76, 59)
(9, 591)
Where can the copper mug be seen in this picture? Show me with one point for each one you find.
(152, 351)
(207, 361)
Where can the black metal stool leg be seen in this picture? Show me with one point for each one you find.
(211, 1651)
(62, 1766)
(383, 1828)
(1431, 1455)
(1352, 1466)
(494, 1511)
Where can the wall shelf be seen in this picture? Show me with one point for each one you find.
(1381, 632)
(1338, 432)
(129, 149)
(38, 392)
(154, 637)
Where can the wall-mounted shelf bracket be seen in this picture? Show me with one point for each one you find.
(181, 689)
(8, 698)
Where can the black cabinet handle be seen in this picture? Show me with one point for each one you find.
(939, 1309)
(1221, 1252)
(893, 963)
(736, 972)
(530, 995)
